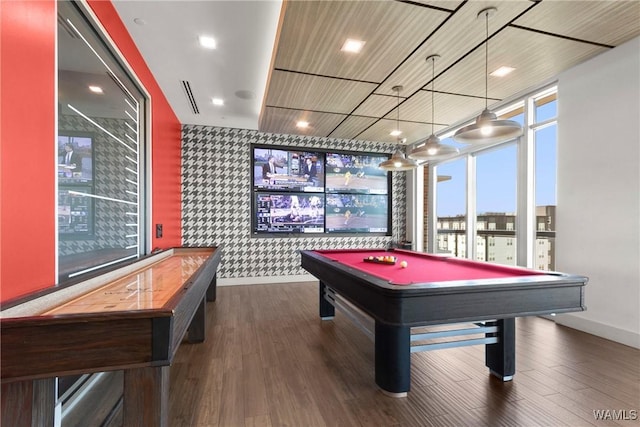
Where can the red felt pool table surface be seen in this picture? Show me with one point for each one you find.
(423, 268)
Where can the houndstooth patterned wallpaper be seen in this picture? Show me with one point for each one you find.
(216, 201)
(109, 180)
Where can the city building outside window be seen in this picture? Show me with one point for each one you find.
(497, 171)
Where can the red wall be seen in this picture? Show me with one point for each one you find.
(27, 138)
(165, 132)
(27, 123)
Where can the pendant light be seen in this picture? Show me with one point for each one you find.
(432, 149)
(398, 162)
(487, 128)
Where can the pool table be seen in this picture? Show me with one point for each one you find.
(433, 290)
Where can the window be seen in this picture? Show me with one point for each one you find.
(545, 140)
(451, 207)
(496, 178)
(100, 146)
(512, 192)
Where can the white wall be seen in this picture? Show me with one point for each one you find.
(598, 216)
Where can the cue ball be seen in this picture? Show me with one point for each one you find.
(404, 264)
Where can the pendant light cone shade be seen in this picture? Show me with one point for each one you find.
(487, 128)
(432, 149)
(398, 161)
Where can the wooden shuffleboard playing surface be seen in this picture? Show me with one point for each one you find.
(132, 318)
(146, 289)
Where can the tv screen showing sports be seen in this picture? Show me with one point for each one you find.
(355, 173)
(357, 213)
(289, 213)
(288, 170)
(75, 213)
(75, 159)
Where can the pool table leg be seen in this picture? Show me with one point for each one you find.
(393, 359)
(327, 310)
(500, 357)
(211, 290)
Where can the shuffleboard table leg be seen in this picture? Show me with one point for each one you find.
(211, 290)
(393, 359)
(146, 397)
(28, 403)
(197, 327)
(500, 357)
(327, 310)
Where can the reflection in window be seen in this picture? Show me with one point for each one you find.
(99, 152)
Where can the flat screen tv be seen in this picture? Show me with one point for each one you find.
(289, 213)
(355, 173)
(75, 213)
(75, 158)
(357, 213)
(288, 170)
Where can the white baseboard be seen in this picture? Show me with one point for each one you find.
(233, 281)
(622, 336)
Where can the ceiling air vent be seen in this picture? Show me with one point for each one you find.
(192, 101)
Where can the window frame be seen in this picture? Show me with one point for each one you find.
(107, 47)
(526, 222)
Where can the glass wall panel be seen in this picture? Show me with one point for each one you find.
(546, 201)
(100, 135)
(496, 179)
(451, 207)
(546, 108)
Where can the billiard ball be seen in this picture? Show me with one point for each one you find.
(404, 264)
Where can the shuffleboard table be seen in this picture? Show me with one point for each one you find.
(435, 290)
(131, 319)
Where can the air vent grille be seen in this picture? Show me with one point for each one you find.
(190, 98)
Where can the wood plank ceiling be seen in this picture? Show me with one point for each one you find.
(350, 96)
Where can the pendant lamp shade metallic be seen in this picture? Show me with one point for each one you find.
(432, 149)
(487, 128)
(398, 161)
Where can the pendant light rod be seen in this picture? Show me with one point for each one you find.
(488, 12)
(398, 161)
(433, 58)
(486, 61)
(432, 148)
(487, 128)
(397, 90)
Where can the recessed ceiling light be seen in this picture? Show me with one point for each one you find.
(352, 46)
(207, 42)
(217, 101)
(501, 72)
(302, 124)
(96, 89)
(396, 132)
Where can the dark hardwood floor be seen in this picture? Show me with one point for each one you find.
(268, 360)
